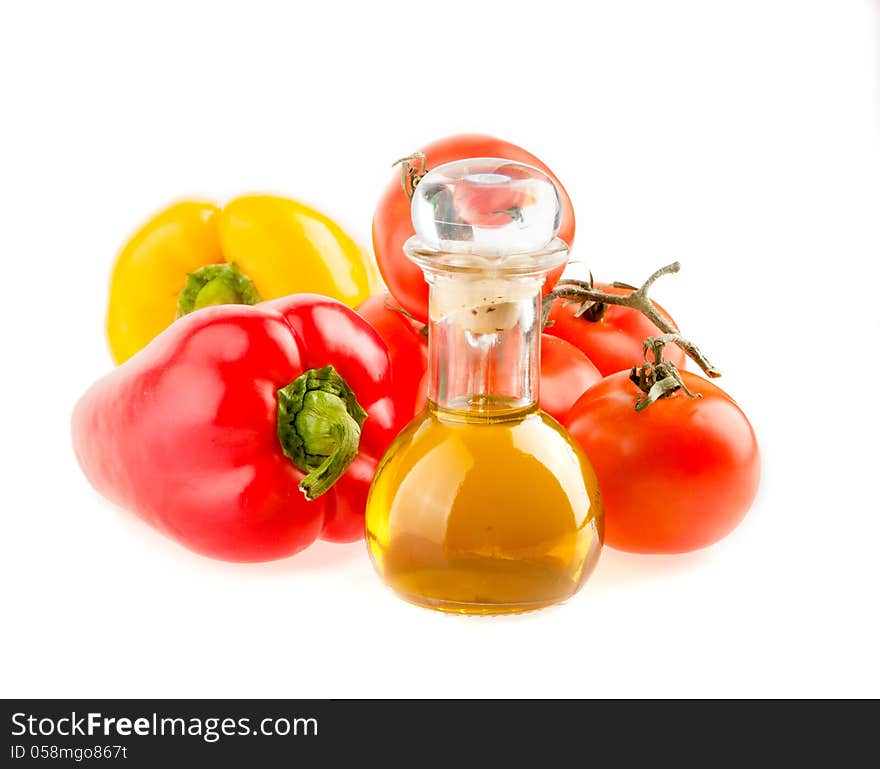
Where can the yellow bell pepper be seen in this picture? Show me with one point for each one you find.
(193, 254)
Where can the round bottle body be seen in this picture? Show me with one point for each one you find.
(484, 513)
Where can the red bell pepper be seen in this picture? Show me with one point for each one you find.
(245, 432)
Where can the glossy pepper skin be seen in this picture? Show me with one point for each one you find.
(194, 254)
(186, 434)
(151, 269)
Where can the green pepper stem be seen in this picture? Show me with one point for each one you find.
(319, 426)
(215, 284)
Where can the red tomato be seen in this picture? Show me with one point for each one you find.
(677, 476)
(614, 342)
(392, 223)
(565, 373)
(407, 345)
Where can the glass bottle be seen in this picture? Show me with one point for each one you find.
(484, 504)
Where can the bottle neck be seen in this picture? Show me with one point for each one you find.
(484, 337)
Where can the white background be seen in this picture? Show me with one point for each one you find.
(738, 137)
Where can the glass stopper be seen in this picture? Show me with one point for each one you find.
(486, 206)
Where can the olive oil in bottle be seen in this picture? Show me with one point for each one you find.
(484, 504)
